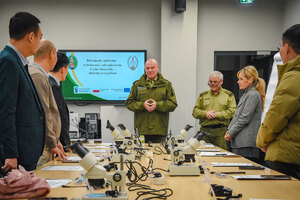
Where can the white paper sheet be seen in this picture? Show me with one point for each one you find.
(97, 151)
(216, 154)
(64, 168)
(208, 145)
(76, 158)
(55, 183)
(97, 147)
(216, 164)
(208, 150)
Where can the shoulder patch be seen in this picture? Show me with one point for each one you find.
(135, 81)
(203, 93)
(228, 92)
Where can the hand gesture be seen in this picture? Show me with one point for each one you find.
(150, 105)
(10, 163)
(61, 148)
(211, 114)
(58, 152)
(227, 137)
(264, 149)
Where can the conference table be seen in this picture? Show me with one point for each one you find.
(187, 187)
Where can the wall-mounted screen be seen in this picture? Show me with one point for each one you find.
(98, 76)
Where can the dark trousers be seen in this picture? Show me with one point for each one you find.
(285, 168)
(154, 138)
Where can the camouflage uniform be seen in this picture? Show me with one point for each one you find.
(157, 121)
(224, 105)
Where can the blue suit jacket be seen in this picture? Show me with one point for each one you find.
(22, 118)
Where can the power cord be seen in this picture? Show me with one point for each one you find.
(147, 190)
(132, 174)
(158, 151)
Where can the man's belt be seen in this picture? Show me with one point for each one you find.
(215, 126)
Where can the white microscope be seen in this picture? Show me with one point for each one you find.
(121, 141)
(131, 141)
(181, 155)
(97, 175)
(179, 140)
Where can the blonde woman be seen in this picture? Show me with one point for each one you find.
(242, 130)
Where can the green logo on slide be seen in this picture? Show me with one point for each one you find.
(73, 62)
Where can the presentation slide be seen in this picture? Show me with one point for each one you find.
(99, 75)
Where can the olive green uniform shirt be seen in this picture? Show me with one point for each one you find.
(223, 103)
(160, 90)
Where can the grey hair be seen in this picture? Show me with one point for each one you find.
(216, 74)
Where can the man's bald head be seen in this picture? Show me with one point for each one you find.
(45, 48)
(46, 55)
(151, 61)
(151, 68)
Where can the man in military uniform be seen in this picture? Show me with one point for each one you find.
(215, 108)
(151, 99)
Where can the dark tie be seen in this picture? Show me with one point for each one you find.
(26, 67)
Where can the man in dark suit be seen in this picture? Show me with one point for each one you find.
(57, 75)
(22, 118)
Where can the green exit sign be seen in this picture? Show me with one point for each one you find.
(246, 1)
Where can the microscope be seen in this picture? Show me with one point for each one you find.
(131, 141)
(96, 176)
(120, 140)
(179, 140)
(181, 155)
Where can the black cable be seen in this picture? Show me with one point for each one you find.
(147, 190)
(159, 151)
(132, 171)
(160, 169)
(132, 174)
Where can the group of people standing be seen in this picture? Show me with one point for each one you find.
(34, 118)
(152, 97)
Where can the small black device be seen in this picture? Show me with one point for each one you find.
(252, 167)
(180, 6)
(221, 191)
(91, 121)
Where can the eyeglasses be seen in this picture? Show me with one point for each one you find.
(213, 84)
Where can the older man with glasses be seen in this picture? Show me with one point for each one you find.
(214, 109)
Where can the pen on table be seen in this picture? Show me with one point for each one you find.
(229, 172)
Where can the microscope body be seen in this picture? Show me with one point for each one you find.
(130, 142)
(96, 173)
(179, 140)
(181, 155)
(124, 142)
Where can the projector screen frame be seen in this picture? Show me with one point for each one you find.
(102, 102)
